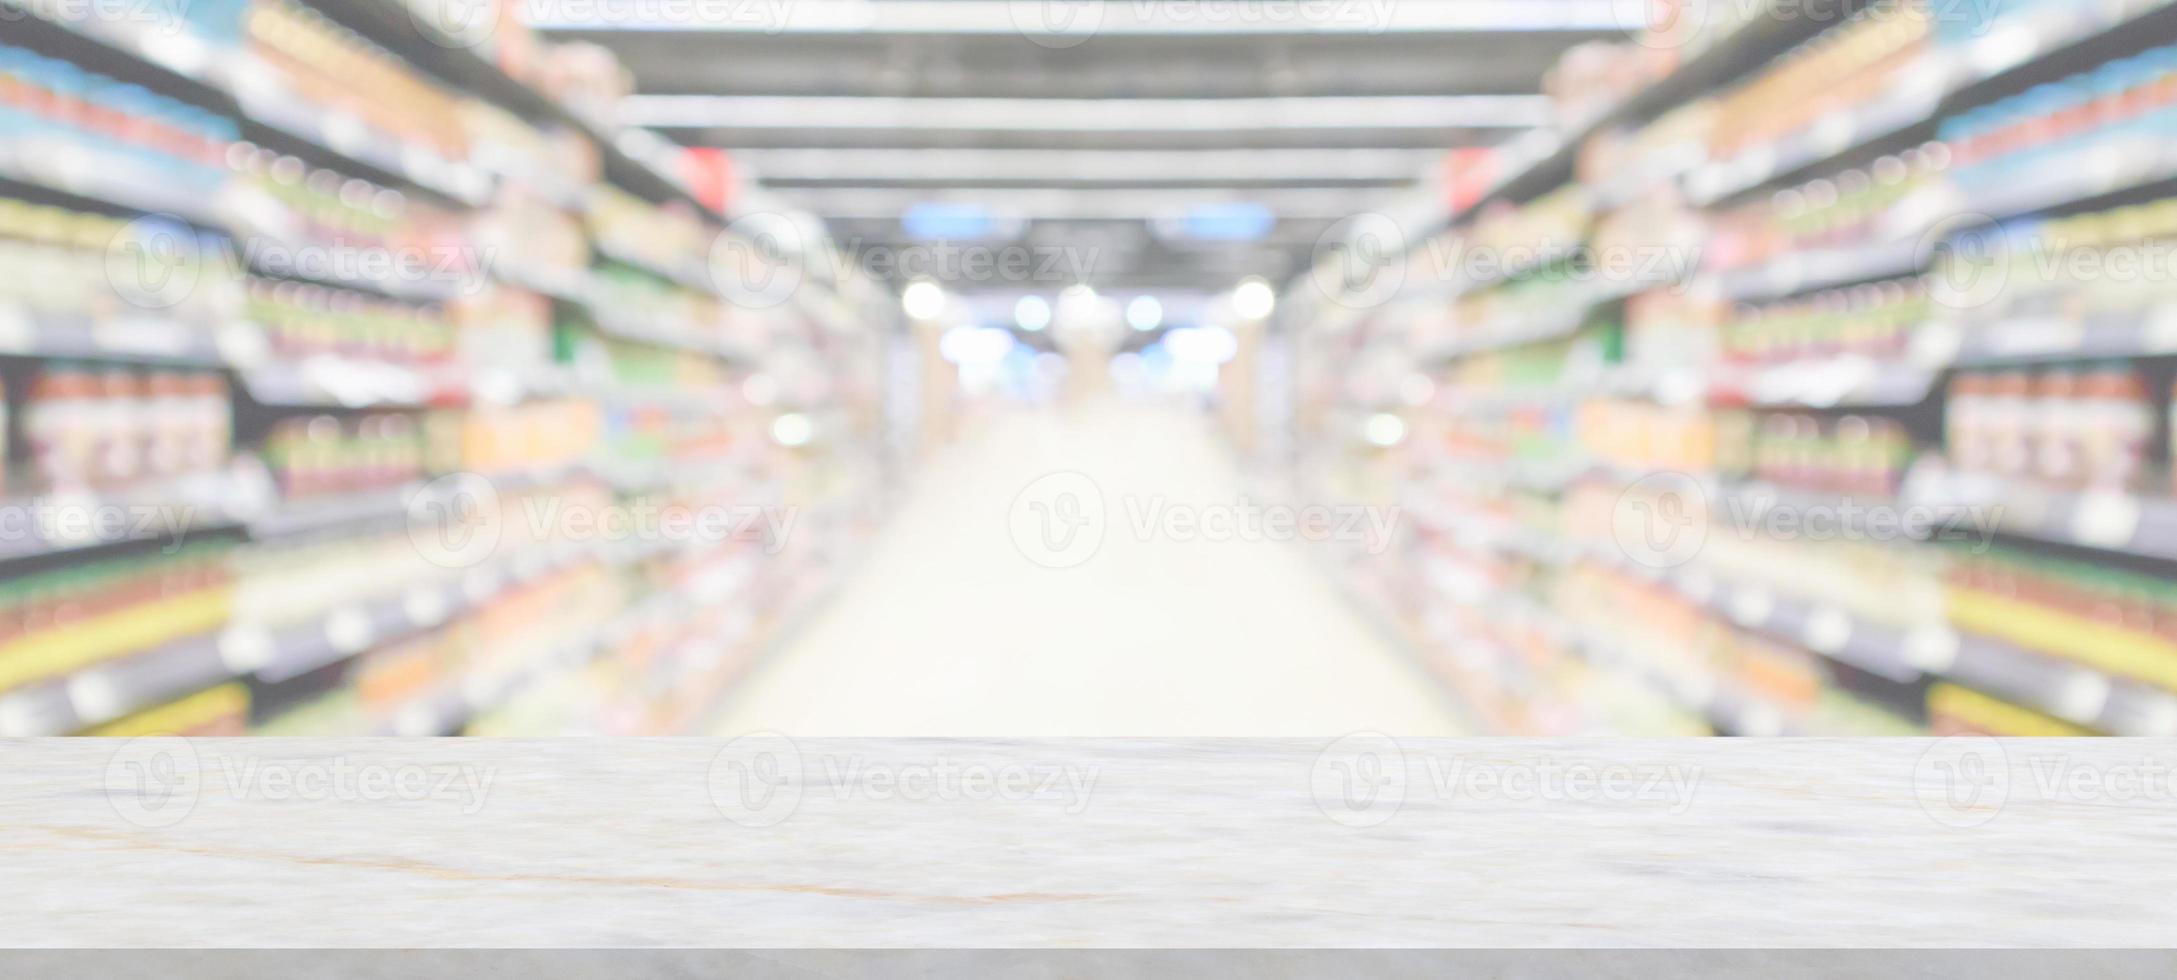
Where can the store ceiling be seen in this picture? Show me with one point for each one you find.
(1104, 145)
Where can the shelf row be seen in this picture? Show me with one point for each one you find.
(171, 58)
(242, 499)
(2013, 45)
(2077, 693)
(1546, 160)
(456, 705)
(281, 652)
(184, 61)
(1932, 87)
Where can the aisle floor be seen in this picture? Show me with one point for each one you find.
(948, 628)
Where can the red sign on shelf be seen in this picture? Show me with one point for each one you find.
(711, 177)
(1468, 174)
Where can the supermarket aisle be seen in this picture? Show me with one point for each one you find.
(948, 630)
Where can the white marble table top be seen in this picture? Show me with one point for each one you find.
(1361, 842)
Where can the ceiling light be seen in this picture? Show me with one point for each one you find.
(976, 346)
(1032, 313)
(1384, 430)
(1203, 345)
(1254, 300)
(792, 430)
(923, 300)
(1145, 313)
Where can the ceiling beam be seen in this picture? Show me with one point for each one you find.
(1065, 22)
(1089, 167)
(1056, 204)
(1343, 113)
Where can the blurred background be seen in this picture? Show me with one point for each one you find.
(1088, 367)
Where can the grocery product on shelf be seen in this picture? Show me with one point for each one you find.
(2120, 622)
(59, 621)
(1592, 79)
(1872, 319)
(102, 427)
(333, 70)
(1855, 208)
(1637, 435)
(1851, 63)
(1552, 301)
(323, 454)
(221, 712)
(2114, 107)
(502, 328)
(1631, 166)
(2060, 426)
(2058, 275)
(1956, 710)
(554, 162)
(586, 78)
(88, 267)
(529, 239)
(51, 108)
(1851, 454)
(538, 436)
(347, 230)
(282, 343)
(667, 241)
(1769, 501)
(304, 320)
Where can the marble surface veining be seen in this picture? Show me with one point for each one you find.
(1159, 843)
